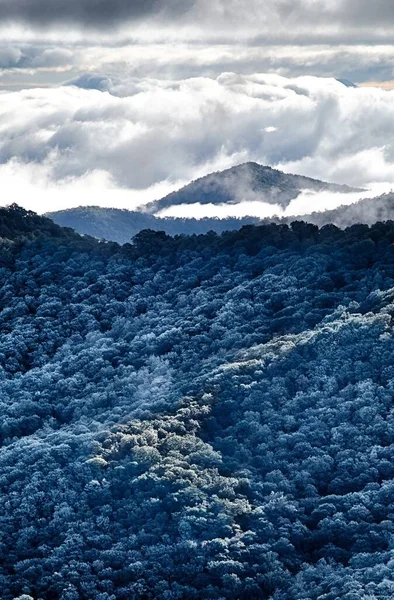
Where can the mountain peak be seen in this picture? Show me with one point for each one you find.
(247, 181)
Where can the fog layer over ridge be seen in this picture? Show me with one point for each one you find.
(135, 141)
(306, 202)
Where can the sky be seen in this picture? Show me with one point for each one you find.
(118, 102)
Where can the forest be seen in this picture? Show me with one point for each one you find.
(203, 417)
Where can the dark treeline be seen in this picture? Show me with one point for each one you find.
(203, 417)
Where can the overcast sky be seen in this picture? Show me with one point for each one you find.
(117, 102)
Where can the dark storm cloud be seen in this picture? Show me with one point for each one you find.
(379, 13)
(338, 13)
(335, 20)
(96, 13)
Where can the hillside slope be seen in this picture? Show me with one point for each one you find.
(205, 417)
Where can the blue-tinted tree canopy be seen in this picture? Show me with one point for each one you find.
(203, 417)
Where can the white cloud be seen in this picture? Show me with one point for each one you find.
(52, 62)
(87, 146)
(30, 185)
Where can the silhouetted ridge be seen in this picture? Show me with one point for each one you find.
(16, 222)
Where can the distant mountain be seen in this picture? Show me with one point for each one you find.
(347, 83)
(247, 182)
(121, 225)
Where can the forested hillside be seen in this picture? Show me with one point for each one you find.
(203, 417)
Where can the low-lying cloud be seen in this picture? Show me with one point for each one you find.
(141, 138)
(306, 203)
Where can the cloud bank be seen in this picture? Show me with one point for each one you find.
(46, 42)
(26, 64)
(130, 141)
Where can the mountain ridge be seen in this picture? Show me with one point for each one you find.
(120, 225)
(247, 181)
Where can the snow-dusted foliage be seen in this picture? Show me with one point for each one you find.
(205, 417)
